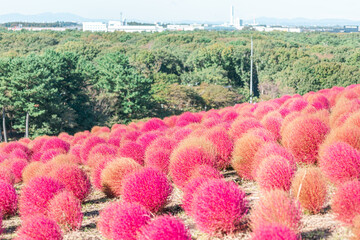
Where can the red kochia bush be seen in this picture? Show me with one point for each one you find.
(10, 147)
(245, 149)
(48, 155)
(219, 206)
(107, 217)
(7, 175)
(164, 228)
(153, 124)
(158, 158)
(88, 145)
(113, 174)
(148, 187)
(270, 149)
(303, 136)
(223, 144)
(55, 143)
(65, 209)
(17, 166)
(35, 195)
(133, 150)
(274, 232)
(309, 187)
(276, 207)
(356, 228)
(8, 199)
(241, 125)
(74, 179)
(340, 162)
(190, 189)
(183, 161)
(275, 172)
(346, 202)
(206, 171)
(39, 227)
(128, 220)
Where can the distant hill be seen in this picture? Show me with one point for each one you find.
(69, 17)
(304, 22)
(44, 17)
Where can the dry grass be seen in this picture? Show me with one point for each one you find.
(319, 226)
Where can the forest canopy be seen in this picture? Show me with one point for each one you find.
(72, 80)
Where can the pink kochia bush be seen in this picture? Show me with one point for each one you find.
(164, 228)
(55, 143)
(148, 187)
(184, 160)
(346, 202)
(65, 209)
(133, 150)
(39, 227)
(74, 179)
(218, 206)
(275, 172)
(303, 136)
(340, 162)
(274, 232)
(8, 199)
(121, 220)
(268, 150)
(276, 206)
(35, 195)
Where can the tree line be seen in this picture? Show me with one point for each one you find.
(70, 81)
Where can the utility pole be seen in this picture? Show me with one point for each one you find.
(251, 71)
(4, 126)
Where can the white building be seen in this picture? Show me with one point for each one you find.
(190, 27)
(118, 26)
(94, 26)
(232, 16)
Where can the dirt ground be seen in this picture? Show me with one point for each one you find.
(320, 226)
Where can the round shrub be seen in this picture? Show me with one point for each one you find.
(65, 209)
(67, 159)
(187, 118)
(48, 155)
(206, 171)
(164, 228)
(273, 125)
(340, 162)
(189, 191)
(347, 133)
(128, 220)
(309, 187)
(31, 171)
(184, 160)
(106, 218)
(96, 172)
(74, 179)
(245, 149)
(346, 202)
(16, 166)
(276, 207)
(19, 154)
(356, 228)
(303, 136)
(8, 199)
(10, 147)
(153, 124)
(113, 174)
(219, 206)
(275, 172)
(223, 145)
(39, 227)
(55, 143)
(35, 195)
(274, 232)
(7, 175)
(241, 125)
(88, 145)
(133, 150)
(148, 187)
(270, 149)
(158, 158)
(100, 151)
(163, 143)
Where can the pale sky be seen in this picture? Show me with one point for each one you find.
(197, 10)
